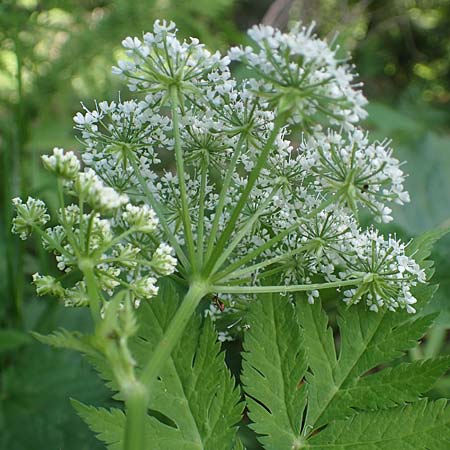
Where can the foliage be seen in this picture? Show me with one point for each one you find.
(194, 404)
(48, 63)
(291, 365)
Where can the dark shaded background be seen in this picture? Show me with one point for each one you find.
(54, 54)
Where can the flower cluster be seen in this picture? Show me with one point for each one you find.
(30, 215)
(302, 73)
(389, 274)
(251, 182)
(357, 171)
(160, 60)
(113, 248)
(297, 219)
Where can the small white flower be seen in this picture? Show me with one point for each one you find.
(143, 218)
(163, 261)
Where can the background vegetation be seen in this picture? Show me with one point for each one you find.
(56, 53)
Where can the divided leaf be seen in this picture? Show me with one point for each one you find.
(194, 403)
(282, 343)
(424, 425)
(421, 246)
(273, 368)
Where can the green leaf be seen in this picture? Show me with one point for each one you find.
(367, 340)
(420, 248)
(420, 426)
(11, 339)
(194, 402)
(62, 338)
(292, 364)
(108, 425)
(389, 387)
(273, 368)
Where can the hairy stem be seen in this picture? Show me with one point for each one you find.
(92, 290)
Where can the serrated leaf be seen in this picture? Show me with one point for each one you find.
(108, 425)
(194, 402)
(74, 340)
(367, 340)
(273, 368)
(71, 340)
(389, 387)
(421, 426)
(420, 247)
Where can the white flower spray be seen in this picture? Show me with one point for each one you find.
(230, 187)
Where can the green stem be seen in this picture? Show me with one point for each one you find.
(257, 251)
(223, 196)
(92, 290)
(67, 226)
(180, 173)
(243, 232)
(253, 177)
(253, 268)
(283, 289)
(89, 230)
(201, 213)
(136, 400)
(196, 292)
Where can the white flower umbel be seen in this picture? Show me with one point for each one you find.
(357, 171)
(212, 166)
(302, 73)
(100, 248)
(388, 273)
(63, 164)
(241, 203)
(160, 61)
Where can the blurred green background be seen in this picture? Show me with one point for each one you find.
(56, 54)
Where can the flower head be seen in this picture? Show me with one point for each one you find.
(160, 61)
(303, 74)
(356, 171)
(389, 274)
(65, 165)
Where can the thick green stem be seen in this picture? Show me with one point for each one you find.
(92, 290)
(180, 173)
(283, 289)
(136, 400)
(197, 290)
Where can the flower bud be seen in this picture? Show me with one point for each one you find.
(64, 165)
(47, 285)
(31, 214)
